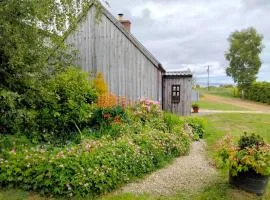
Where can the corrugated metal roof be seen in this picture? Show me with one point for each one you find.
(178, 73)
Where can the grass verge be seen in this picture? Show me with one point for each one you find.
(219, 91)
(236, 124)
(210, 105)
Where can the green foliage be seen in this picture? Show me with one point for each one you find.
(32, 51)
(249, 141)
(105, 117)
(93, 166)
(244, 57)
(32, 40)
(13, 143)
(235, 92)
(14, 117)
(173, 122)
(146, 110)
(251, 154)
(198, 126)
(65, 106)
(195, 105)
(122, 151)
(224, 91)
(259, 91)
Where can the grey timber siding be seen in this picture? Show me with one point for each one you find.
(184, 106)
(105, 47)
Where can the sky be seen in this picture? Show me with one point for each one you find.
(193, 34)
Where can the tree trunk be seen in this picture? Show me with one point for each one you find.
(243, 94)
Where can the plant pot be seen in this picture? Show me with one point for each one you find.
(250, 181)
(195, 110)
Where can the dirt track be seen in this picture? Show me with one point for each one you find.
(249, 105)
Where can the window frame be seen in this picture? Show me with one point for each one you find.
(176, 93)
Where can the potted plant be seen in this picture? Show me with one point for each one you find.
(248, 161)
(195, 108)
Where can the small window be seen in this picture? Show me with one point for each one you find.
(175, 93)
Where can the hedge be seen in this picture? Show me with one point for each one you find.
(259, 91)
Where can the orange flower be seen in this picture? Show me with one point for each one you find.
(117, 119)
(106, 116)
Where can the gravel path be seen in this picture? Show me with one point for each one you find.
(191, 172)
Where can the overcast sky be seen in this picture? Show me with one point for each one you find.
(193, 33)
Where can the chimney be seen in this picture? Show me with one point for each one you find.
(124, 22)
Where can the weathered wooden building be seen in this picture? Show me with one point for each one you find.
(108, 47)
(177, 91)
(129, 69)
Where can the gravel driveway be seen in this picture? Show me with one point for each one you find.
(191, 172)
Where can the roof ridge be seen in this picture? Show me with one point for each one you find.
(133, 39)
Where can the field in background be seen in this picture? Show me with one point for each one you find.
(211, 105)
(219, 91)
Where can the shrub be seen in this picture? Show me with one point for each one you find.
(146, 110)
(104, 117)
(248, 141)
(250, 154)
(65, 107)
(53, 112)
(173, 122)
(100, 84)
(259, 91)
(198, 126)
(14, 117)
(235, 92)
(92, 167)
(10, 143)
(195, 105)
(107, 101)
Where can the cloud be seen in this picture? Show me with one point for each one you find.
(193, 33)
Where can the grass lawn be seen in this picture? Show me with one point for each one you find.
(235, 124)
(219, 91)
(210, 105)
(218, 126)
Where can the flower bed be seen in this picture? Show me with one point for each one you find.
(92, 167)
(121, 144)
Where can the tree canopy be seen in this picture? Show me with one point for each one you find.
(32, 52)
(30, 31)
(244, 57)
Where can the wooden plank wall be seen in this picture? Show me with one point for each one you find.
(184, 107)
(102, 47)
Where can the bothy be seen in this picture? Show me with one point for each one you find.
(176, 92)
